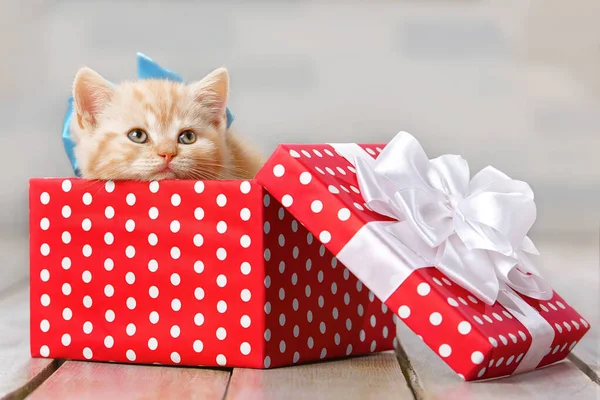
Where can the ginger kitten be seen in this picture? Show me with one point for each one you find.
(157, 129)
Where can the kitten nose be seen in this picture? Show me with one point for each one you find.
(168, 156)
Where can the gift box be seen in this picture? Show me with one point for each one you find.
(447, 253)
(214, 273)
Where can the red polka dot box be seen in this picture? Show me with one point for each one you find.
(314, 259)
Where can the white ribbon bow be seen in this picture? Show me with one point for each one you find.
(473, 230)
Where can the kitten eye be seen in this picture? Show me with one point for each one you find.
(138, 136)
(187, 137)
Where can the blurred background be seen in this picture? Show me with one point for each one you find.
(511, 83)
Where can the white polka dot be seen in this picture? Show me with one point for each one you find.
(153, 213)
(499, 362)
(109, 290)
(44, 224)
(45, 198)
(245, 241)
(130, 251)
(560, 304)
(109, 186)
(175, 253)
(44, 325)
(325, 237)
(245, 295)
(175, 331)
(316, 206)
(199, 319)
(154, 317)
(154, 186)
(245, 321)
(281, 319)
(66, 211)
(512, 337)
(175, 200)
(221, 254)
(130, 225)
(558, 327)
(282, 347)
(130, 278)
(198, 346)
(221, 333)
(87, 353)
(88, 327)
(507, 314)
(65, 339)
(510, 360)
(245, 187)
(296, 331)
(176, 304)
(199, 293)
(498, 317)
(221, 306)
(435, 318)
(86, 276)
(445, 350)
(152, 266)
(278, 170)
(452, 302)
(306, 153)
(556, 349)
(404, 312)
(131, 303)
(477, 357)
(87, 301)
(175, 279)
(109, 238)
(245, 348)
(493, 341)
(109, 342)
(44, 275)
(199, 187)
(503, 339)
(221, 200)
(543, 307)
(294, 154)
(153, 292)
(267, 200)
(175, 226)
(109, 315)
(221, 360)
(572, 346)
(67, 314)
(152, 343)
(109, 212)
(575, 324)
(199, 213)
(287, 200)
(488, 319)
(245, 214)
(130, 199)
(45, 249)
(423, 289)
(520, 356)
(584, 323)
(464, 327)
(305, 178)
(130, 355)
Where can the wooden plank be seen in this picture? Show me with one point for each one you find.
(573, 271)
(372, 377)
(87, 380)
(19, 373)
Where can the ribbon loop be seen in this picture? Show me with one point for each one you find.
(473, 230)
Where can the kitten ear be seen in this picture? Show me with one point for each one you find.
(91, 93)
(212, 93)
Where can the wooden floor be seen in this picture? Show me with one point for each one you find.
(412, 372)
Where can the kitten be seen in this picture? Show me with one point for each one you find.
(157, 129)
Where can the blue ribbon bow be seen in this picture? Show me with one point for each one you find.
(147, 69)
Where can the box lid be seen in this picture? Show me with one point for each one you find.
(319, 186)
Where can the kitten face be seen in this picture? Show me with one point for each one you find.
(151, 129)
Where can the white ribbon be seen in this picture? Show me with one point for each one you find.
(473, 230)
(434, 194)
